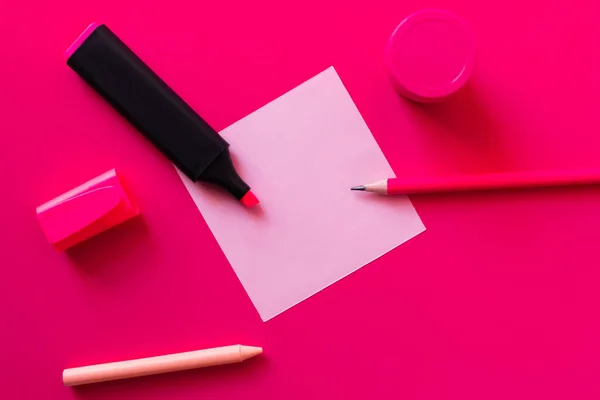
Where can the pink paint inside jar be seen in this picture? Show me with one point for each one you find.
(430, 55)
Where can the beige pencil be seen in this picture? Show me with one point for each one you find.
(158, 365)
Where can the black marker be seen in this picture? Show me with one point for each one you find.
(149, 104)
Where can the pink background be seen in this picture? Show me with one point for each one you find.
(497, 299)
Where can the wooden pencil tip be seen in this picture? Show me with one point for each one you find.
(247, 352)
(361, 187)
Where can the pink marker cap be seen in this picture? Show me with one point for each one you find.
(85, 211)
(430, 55)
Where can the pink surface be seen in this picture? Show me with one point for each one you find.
(430, 55)
(85, 211)
(302, 151)
(497, 299)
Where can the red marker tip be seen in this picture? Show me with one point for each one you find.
(249, 199)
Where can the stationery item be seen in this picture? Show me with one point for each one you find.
(517, 180)
(159, 364)
(430, 55)
(304, 240)
(134, 90)
(85, 211)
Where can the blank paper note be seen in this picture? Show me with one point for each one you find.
(301, 153)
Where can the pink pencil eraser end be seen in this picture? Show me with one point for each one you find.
(430, 55)
(85, 211)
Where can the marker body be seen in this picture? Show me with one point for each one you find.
(150, 105)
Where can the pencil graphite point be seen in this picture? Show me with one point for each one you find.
(361, 187)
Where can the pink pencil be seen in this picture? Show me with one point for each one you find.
(397, 186)
(159, 364)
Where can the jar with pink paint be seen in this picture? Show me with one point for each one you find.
(430, 55)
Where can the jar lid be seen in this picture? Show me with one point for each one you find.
(430, 55)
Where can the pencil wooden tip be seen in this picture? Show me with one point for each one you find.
(247, 352)
(361, 187)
